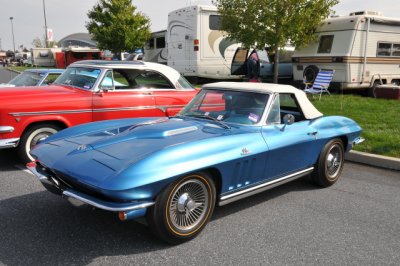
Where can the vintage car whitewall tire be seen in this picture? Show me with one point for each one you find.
(183, 209)
(31, 137)
(330, 164)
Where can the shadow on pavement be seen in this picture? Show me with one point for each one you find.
(42, 229)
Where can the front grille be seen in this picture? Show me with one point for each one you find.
(67, 182)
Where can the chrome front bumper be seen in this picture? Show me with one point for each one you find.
(136, 209)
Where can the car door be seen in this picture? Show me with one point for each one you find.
(120, 97)
(291, 147)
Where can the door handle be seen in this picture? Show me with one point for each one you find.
(312, 133)
(147, 93)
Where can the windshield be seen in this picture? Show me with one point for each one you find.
(239, 107)
(26, 79)
(80, 77)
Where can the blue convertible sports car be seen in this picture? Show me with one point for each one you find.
(231, 141)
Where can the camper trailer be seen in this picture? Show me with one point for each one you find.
(155, 49)
(363, 49)
(196, 45)
(44, 57)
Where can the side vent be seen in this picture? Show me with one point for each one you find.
(243, 173)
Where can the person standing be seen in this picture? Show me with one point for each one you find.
(253, 67)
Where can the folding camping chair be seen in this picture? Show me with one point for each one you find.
(321, 83)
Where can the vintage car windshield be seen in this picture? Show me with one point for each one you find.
(80, 77)
(239, 107)
(26, 79)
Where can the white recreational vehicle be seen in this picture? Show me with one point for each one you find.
(196, 45)
(363, 49)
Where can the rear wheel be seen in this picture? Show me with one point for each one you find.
(183, 209)
(330, 164)
(32, 136)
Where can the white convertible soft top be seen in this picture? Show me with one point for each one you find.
(309, 110)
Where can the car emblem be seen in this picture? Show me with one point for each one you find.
(81, 147)
(245, 151)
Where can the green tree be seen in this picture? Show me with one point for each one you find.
(116, 26)
(37, 43)
(273, 23)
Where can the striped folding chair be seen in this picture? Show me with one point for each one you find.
(321, 83)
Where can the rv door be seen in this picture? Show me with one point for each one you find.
(239, 61)
(238, 66)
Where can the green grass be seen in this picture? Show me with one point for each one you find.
(379, 118)
(22, 68)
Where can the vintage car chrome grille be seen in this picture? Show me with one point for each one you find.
(66, 182)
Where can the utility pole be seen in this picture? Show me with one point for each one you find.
(45, 23)
(12, 30)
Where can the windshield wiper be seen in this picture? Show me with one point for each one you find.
(224, 125)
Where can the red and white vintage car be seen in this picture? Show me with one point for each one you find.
(89, 91)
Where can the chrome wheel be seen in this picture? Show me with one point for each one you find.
(183, 209)
(334, 161)
(330, 164)
(189, 205)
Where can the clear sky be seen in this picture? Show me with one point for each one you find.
(69, 16)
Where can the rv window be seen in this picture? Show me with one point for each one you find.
(215, 22)
(396, 49)
(160, 42)
(325, 44)
(240, 56)
(384, 49)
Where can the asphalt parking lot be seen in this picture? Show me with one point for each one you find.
(354, 222)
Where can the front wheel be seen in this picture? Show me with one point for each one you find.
(183, 209)
(31, 137)
(330, 164)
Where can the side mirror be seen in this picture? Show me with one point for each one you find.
(106, 88)
(288, 119)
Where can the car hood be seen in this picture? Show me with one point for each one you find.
(8, 94)
(103, 154)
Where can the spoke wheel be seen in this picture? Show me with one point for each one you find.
(188, 205)
(183, 209)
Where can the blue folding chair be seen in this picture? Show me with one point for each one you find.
(321, 83)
